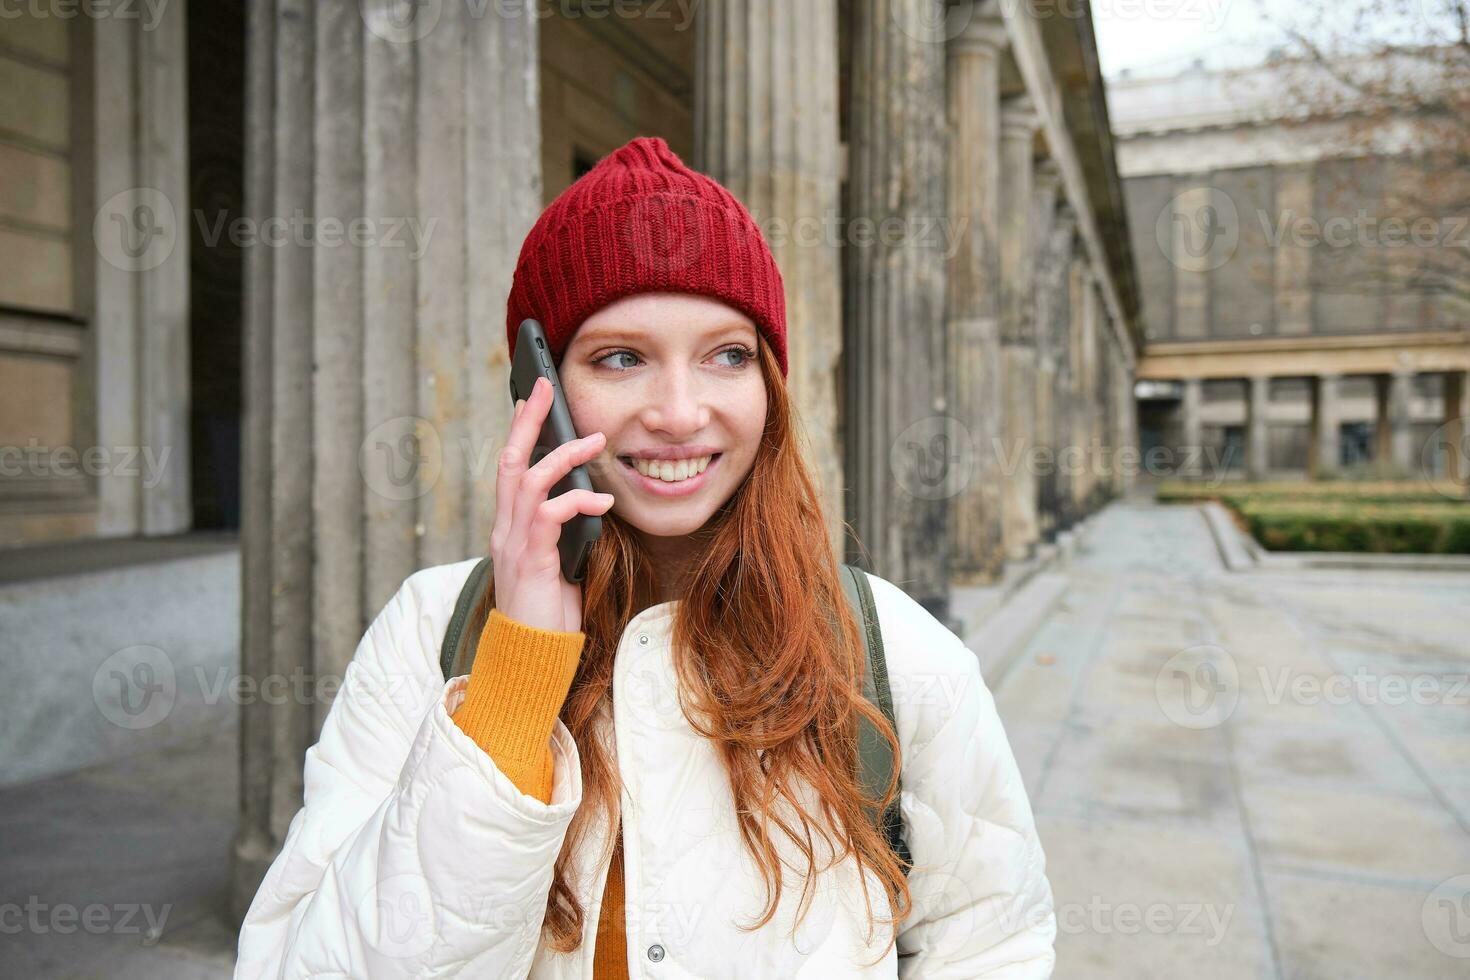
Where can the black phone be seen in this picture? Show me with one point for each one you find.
(533, 360)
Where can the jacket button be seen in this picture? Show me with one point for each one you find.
(655, 952)
(643, 638)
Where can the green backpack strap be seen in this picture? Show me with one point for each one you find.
(450, 661)
(875, 755)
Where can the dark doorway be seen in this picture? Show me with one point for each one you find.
(216, 196)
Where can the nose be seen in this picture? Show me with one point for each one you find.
(677, 406)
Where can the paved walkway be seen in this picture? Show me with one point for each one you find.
(1246, 775)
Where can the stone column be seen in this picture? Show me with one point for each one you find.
(1124, 462)
(973, 287)
(1130, 427)
(902, 466)
(135, 264)
(1455, 437)
(1257, 407)
(1070, 461)
(1065, 328)
(1398, 433)
(1115, 416)
(1325, 437)
(1102, 414)
(779, 156)
(1084, 388)
(1192, 433)
(1047, 284)
(376, 374)
(1017, 332)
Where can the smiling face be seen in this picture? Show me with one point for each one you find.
(674, 382)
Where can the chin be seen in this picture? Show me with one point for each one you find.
(669, 522)
(669, 525)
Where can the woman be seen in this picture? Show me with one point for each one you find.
(652, 772)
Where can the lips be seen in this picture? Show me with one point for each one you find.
(672, 470)
(668, 488)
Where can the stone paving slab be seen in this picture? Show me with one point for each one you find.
(1248, 743)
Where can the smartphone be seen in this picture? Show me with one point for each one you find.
(533, 360)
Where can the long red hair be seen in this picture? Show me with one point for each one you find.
(769, 662)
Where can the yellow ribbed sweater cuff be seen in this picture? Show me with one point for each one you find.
(518, 684)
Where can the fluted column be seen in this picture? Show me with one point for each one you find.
(1084, 389)
(1123, 462)
(1192, 433)
(973, 286)
(1326, 418)
(1112, 385)
(1047, 287)
(1396, 423)
(1454, 436)
(899, 437)
(375, 369)
(1066, 328)
(1017, 332)
(765, 126)
(1257, 447)
(1130, 429)
(1070, 460)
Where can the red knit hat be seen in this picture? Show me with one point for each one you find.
(641, 221)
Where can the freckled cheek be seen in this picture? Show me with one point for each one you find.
(746, 416)
(594, 411)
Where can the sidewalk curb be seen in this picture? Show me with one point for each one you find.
(999, 641)
(1000, 638)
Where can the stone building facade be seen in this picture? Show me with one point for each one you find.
(1293, 319)
(276, 238)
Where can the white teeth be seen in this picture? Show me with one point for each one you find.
(672, 471)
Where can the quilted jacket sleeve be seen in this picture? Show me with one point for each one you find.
(413, 854)
(983, 906)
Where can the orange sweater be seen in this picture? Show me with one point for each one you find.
(518, 684)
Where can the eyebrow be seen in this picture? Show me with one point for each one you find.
(605, 334)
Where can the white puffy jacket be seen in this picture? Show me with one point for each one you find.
(414, 856)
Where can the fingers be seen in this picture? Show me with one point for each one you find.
(515, 458)
(536, 483)
(545, 528)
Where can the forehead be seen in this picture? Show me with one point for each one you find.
(662, 317)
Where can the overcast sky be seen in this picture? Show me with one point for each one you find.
(1155, 37)
(1164, 37)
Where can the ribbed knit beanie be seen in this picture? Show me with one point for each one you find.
(641, 221)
